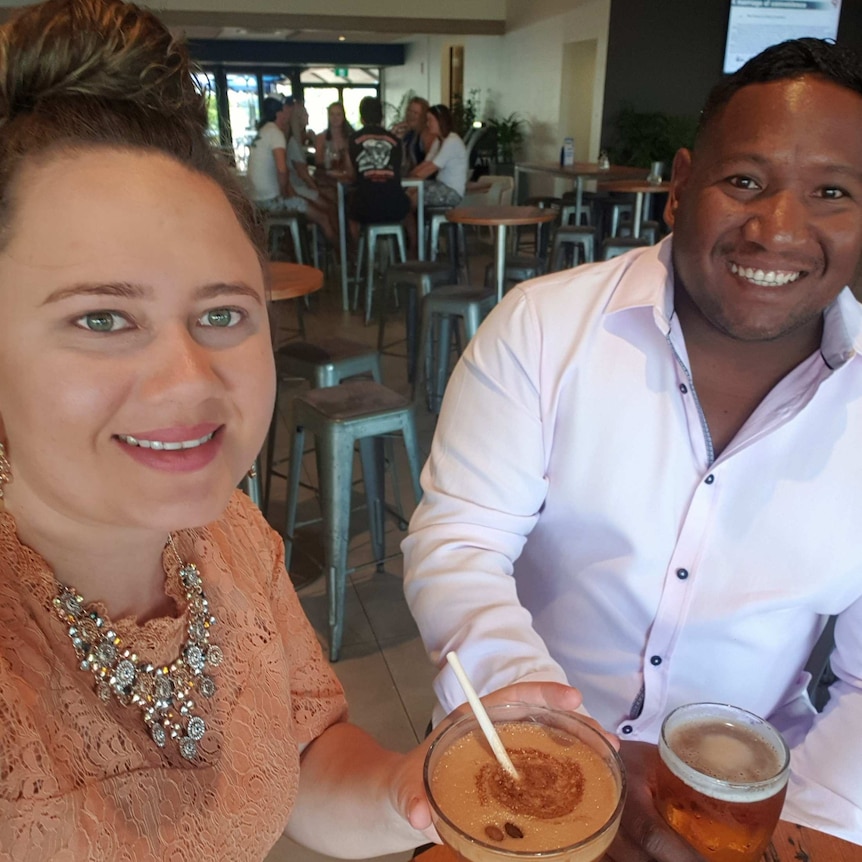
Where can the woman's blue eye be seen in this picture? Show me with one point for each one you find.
(103, 321)
(221, 317)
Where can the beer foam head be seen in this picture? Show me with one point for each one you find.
(724, 753)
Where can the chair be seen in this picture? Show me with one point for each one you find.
(435, 218)
(519, 267)
(339, 417)
(370, 234)
(616, 245)
(579, 240)
(407, 283)
(464, 306)
(276, 225)
(324, 363)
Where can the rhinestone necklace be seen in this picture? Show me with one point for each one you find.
(163, 694)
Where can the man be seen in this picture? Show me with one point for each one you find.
(375, 157)
(647, 473)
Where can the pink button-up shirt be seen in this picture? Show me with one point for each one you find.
(577, 527)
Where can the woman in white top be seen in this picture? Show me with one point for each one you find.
(447, 159)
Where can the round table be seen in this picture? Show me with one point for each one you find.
(641, 189)
(292, 280)
(501, 217)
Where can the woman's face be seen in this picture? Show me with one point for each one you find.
(136, 373)
(433, 125)
(336, 116)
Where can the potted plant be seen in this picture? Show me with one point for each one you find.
(509, 132)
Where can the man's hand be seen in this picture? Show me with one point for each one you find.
(643, 835)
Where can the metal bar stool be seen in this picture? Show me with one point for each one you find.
(370, 234)
(326, 362)
(339, 417)
(407, 283)
(464, 306)
(276, 224)
(580, 240)
(616, 245)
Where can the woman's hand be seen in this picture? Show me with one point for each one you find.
(643, 835)
(407, 788)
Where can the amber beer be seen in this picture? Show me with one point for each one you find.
(722, 778)
(565, 807)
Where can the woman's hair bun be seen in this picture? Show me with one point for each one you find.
(103, 49)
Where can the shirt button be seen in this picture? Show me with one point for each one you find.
(683, 388)
(627, 728)
(709, 479)
(655, 661)
(682, 574)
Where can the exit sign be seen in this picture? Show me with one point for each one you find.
(340, 72)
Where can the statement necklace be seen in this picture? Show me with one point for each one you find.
(163, 694)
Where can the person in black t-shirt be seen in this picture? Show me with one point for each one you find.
(375, 156)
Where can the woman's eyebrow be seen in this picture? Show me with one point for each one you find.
(128, 290)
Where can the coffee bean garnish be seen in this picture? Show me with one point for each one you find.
(494, 833)
(513, 831)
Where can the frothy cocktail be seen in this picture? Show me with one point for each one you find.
(565, 805)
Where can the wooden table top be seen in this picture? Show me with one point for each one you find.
(497, 215)
(584, 169)
(291, 280)
(636, 186)
(790, 843)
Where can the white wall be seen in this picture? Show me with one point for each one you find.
(519, 72)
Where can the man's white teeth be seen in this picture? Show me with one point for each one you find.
(770, 277)
(161, 444)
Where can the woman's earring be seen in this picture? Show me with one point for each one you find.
(5, 470)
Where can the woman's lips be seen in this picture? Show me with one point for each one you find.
(174, 450)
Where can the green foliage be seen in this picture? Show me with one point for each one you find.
(643, 138)
(465, 112)
(509, 133)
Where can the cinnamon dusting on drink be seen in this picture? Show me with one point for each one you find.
(549, 786)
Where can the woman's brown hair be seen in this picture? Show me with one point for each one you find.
(89, 73)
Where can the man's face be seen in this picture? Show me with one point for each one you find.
(767, 211)
(282, 118)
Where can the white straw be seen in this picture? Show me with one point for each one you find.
(481, 716)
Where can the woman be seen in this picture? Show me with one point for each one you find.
(162, 695)
(447, 158)
(332, 147)
(268, 175)
(321, 207)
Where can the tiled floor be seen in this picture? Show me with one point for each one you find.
(383, 666)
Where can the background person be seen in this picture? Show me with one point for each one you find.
(162, 694)
(320, 207)
(662, 510)
(447, 159)
(268, 177)
(375, 158)
(416, 138)
(332, 146)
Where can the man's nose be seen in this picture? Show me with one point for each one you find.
(780, 220)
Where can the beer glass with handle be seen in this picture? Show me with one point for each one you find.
(722, 778)
(565, 805)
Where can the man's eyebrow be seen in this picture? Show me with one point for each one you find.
(128, 290)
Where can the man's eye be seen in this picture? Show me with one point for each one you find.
(741, 182)
(103, 321)
(832, 193)
(221, 317)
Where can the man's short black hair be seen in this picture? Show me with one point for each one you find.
(371, 111)
(791, 59)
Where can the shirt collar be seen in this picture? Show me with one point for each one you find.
(647, 282)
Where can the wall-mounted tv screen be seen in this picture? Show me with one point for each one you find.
(757, 24)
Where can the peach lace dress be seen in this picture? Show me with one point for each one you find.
(82, 780)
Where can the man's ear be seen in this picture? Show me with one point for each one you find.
(680, 174)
